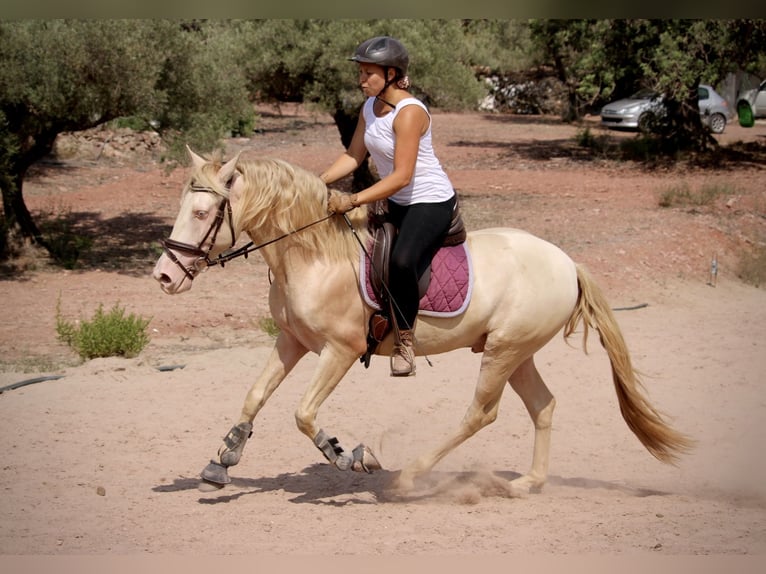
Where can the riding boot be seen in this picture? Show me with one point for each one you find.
(403, 355)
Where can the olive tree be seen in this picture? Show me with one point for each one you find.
(71, 75)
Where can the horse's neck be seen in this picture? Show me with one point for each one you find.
(286, 259)
(296, 269)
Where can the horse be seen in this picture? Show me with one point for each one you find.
(526, 291)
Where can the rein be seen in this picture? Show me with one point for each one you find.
(245, 250)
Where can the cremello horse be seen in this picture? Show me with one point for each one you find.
(526, 290)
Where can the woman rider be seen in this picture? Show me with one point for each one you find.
(395, 129)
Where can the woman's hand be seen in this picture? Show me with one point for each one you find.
(340, 203)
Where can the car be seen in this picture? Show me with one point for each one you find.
(751, 104)
(642, 110)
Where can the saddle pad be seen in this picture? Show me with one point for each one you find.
(449, 291)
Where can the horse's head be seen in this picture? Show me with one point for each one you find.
(204, 226)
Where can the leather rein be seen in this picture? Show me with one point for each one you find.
(224, 212)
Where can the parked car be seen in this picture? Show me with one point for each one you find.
(642, 110)
(751, 104)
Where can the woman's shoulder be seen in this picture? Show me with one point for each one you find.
(411, 100)
(412, 103)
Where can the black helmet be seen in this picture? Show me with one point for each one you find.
(383, 51)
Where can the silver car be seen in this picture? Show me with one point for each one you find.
(642, 110)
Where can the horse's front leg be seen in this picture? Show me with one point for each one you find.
(285, 355)
(333, 365)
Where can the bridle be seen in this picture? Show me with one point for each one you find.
(202, 255)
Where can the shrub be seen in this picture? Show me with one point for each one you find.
(64, 243)
(107, 334)
(269, 326)
(682, 195)
(752, 267)
(585, 139)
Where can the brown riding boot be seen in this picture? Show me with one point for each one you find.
(403, 356)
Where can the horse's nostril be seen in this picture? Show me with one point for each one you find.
(163, 278)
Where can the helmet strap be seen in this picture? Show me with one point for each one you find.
(385, 87)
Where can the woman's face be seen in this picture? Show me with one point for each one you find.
(371, 79)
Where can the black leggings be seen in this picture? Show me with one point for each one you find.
(422, 227)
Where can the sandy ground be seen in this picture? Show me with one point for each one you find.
(105, 460)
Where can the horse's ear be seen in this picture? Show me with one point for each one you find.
(197, 161)
(227, 170)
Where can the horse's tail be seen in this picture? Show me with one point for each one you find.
(642, 418)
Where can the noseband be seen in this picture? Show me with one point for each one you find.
(198, 251)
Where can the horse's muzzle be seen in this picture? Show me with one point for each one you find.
(172, 275)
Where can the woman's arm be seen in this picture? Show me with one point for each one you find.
(409, 126)
(351, 159)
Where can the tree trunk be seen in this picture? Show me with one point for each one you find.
(685, 128)
(346, 124)
(18, 225)
(17, 222)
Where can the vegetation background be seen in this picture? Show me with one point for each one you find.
(198, 81)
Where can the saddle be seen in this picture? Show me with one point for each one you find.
(383, 235)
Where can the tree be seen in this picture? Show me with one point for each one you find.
(597, 59)
(501, 46)
(307, 61)
(71, 75)
(575, 50)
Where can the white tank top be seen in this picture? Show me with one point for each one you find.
(429, 183)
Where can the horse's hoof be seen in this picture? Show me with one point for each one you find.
(207, 486)
(524, 485)
(404, 483)
(364, 460)
(215, 473)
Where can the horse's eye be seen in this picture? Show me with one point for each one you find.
(201, 215)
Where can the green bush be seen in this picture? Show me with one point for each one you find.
(269, 326)
(597, 144)
(65, 244)
(105, 335)
(752, 267)
(683, 196)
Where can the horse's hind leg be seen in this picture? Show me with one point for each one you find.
(482, 411)
(539, 401)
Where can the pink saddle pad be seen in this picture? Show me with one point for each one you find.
(449, 291)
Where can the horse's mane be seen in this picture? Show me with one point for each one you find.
(282, 197)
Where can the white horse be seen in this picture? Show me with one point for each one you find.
(525, 291)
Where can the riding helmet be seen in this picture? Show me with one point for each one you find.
(383, 51)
